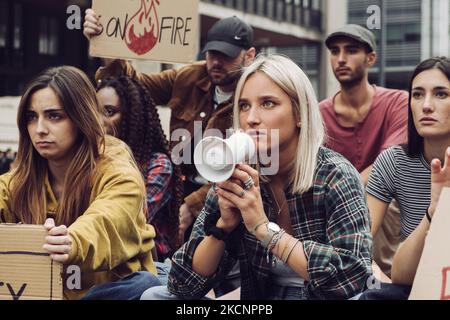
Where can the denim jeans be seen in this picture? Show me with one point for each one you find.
(158, 293)
(388, 291)
(288, 293)
(162, 293)
(163, 269)
(129, 288)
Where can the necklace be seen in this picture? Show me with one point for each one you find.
(275, 198)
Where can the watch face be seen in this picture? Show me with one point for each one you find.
(274, 227)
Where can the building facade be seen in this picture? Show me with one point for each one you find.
(34, 36)
(415, 30)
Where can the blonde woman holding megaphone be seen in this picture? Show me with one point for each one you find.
(301, 232)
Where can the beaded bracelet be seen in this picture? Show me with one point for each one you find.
(275, 240)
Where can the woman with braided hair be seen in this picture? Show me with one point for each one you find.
(131, 115)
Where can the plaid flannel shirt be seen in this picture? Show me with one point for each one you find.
(159, 187)
(331, 220)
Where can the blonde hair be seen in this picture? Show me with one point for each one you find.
(294, 82)
(30, 170)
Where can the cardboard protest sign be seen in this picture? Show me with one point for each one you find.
(159, 30)
(432, 281)
(26, 270)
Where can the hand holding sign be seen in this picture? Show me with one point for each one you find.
(440, 178)
(143, 29)
(91, 26)
(58, 241)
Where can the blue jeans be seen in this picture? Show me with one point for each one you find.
(288, 293)
(159, 293)
(163, 270)
(129, 288)
(162, 293)
(388, 291)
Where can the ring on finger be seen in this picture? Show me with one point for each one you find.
(248, 183)
(242, 194)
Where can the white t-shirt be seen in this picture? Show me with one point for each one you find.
(221, 96)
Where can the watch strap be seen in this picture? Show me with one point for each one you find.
(269, 236)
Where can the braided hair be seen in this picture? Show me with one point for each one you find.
(140, 128)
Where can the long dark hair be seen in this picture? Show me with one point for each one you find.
(78, 98)
(140, 128)
(414, 147)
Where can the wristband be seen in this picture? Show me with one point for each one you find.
(253, 231)
(211, 229)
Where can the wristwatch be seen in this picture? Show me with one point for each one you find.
(272, 230)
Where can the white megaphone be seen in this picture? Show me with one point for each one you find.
(216, 158)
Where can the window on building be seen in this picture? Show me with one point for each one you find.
(315, 4)
(307, 56)
(401, 33)
(3, 23)
(48, 36)
(17, 29)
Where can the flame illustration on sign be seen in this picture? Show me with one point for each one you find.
(143, 29)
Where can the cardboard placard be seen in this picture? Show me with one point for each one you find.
(26, 270)
(159, 30)
(432, 281)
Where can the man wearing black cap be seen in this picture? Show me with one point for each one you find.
(199, 92)
(362, 119)
(228, 49)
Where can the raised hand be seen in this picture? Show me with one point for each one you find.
(440, 178)
(91, 26)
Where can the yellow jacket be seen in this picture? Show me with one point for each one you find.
(111, 238)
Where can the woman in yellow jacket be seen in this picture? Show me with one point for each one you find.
(83, 186)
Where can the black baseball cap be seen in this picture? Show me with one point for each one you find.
(355, 32)
(229, 36)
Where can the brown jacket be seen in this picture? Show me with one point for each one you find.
(189, 94)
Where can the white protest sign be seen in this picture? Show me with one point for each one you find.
(432, 281)
(159, 30)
